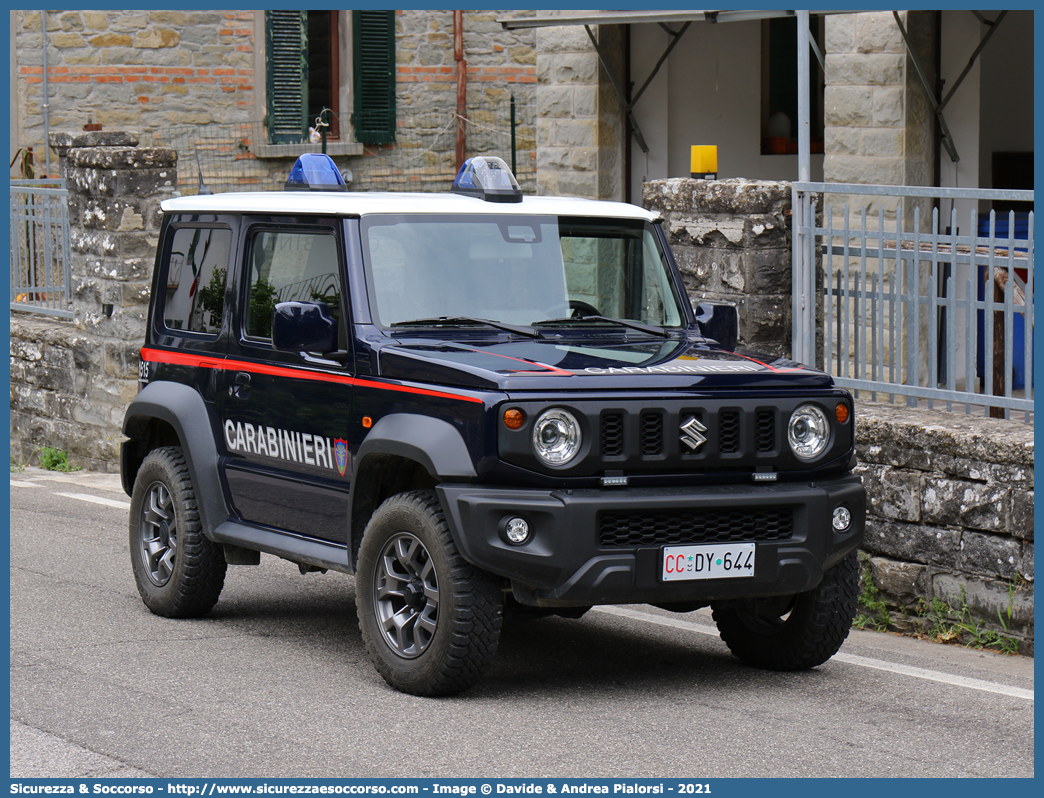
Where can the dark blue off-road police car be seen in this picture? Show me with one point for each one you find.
(477, 403)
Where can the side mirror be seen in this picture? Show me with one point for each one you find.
(720, 321)
(303, 327)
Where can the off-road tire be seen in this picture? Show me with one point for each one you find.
(178, 571)
(818, 622)
(408, 535)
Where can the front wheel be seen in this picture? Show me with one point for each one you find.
(430, 621)
(791, 633)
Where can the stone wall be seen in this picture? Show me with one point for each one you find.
(71, 381)
(950, 516)
(731, 239)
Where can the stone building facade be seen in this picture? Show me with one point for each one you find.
(878, 122)
(134, 70)
(879, 126)
(196, 81)
(580, 121)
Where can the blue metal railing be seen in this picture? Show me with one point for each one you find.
(913, 309)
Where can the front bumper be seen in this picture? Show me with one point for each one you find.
(564, 563)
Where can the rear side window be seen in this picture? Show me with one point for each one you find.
(196, 273)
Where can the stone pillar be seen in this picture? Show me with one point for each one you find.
(71, 382)
(731, 239)
(580, 120)
(879, 126)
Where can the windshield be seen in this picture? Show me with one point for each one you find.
(516, 269)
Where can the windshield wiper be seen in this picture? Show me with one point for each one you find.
(634, 325)
(529, 332)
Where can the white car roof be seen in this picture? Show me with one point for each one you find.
(360, 203)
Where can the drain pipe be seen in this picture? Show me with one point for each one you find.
(462, 84)
(46, 105)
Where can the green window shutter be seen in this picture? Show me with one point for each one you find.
(373, 52)
(286, 42)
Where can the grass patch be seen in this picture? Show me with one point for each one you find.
(941, 621)
(954, 623)
(53, 459)
(872, 612)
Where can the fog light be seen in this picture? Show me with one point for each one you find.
(842, 519)
(517, 530)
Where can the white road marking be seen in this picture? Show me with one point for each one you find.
(96, 500)
(935, 676)
(851, 659)
(20, 484)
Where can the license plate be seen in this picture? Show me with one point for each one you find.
(719, 561)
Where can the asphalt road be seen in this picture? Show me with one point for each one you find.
(275, 683)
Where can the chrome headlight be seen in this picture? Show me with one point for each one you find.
(556, 437)
(808, 432)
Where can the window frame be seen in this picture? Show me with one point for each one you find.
(770, 31)
(250, 233)
(340, 76)
(163, 277)
(352, 84)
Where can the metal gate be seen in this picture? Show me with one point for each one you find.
(908, 306)
(40, 280)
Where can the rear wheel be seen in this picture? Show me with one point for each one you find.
(430, 620)
(789, 633)
(179, 573)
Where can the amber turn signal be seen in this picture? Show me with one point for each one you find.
(514, 418)
(841, 412)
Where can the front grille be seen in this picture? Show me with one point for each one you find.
(652, 433)
(729, 431)
(765, 433)
(612, 435)
(679, 527)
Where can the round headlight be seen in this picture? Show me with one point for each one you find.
(556, 437)
(808, 432)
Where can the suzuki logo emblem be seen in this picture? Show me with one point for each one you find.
(692, 433)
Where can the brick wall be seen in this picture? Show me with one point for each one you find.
(137, 70)
(499, 64)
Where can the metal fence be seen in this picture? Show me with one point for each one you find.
(239, 156)
(937, 312)
(40, 279)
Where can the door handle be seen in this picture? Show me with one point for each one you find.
(241, 386)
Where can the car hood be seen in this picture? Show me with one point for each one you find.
(597, 362)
